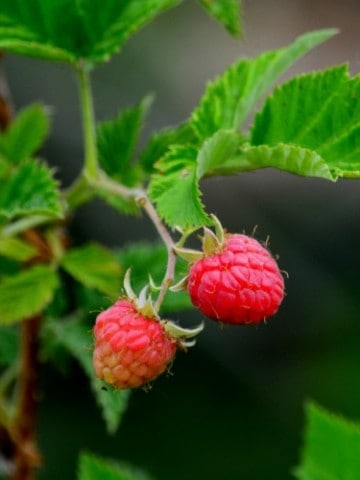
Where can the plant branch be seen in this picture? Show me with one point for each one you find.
(168, 279)
(26, 456)
(93, 177)
(90, 169)
(78, 193)
(140, 197)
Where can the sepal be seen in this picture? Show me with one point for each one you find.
(127, 285)
(219, 229)
(185, 336)
(210, 242)
(190, 256)
(180, 286)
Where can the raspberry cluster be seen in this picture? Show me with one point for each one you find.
(234, 279)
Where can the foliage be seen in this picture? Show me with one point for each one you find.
(308, 126)
(332, 447)
(95, 468)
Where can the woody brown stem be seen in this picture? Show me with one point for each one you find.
(26, 456)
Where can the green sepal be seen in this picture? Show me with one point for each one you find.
(150, 258)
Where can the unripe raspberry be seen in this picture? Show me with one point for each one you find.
(240, 283)
(131, 349)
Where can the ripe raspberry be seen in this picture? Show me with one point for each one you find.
(131, 349)
(239, 284)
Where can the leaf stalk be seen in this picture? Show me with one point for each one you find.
(88, 120)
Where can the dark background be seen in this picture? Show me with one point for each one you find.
(234, 407)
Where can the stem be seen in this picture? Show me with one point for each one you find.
(78, 193)
(104, 182)
(88, 119)
(140, 197)
(168, 279)
(23, 224)
(26, 457)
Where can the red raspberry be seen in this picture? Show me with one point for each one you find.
(240, 284)
(130, 348)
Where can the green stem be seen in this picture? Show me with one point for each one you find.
(91, 168)
(23, 224)
(140, 197)
(168, 278)
(78, 193)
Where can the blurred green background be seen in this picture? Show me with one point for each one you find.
(234, 407)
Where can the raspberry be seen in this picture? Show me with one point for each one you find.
(240, 283)
(131, 349)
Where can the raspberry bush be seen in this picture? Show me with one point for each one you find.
(60, 299)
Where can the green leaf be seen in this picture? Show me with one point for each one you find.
(77, 339)
(8, 267)
(117, 21)
(227, 12)
(160, 142)
(175, 186)
(25, 134)
(291, 158)
(229, 99)
(9, 345)
(16, 249)
(175, 189)
(146, 259)
(30, 190)
(71, 30)
(332, 447)
(95, 267)
(92, 467)
(117, 140)
(27, 293)
(318, 111)
(217, 152)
